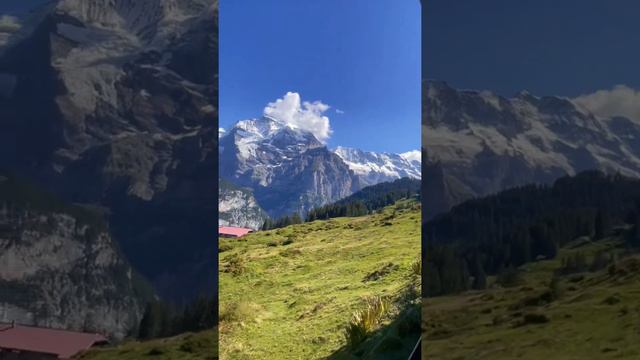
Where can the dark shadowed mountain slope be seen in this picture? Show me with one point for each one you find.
(60, 266)
(114, 103)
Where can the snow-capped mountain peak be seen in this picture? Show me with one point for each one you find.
(258, 128)
(373, 167)
(289, 169)
(482, 143)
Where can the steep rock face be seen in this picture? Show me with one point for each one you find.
(60, 268)
(484, 143)
(314, 178)
(238, 207)
(288, 169)
(126, 96)
(373, 168)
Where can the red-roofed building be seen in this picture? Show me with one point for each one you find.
(28, 342)
(230, 231)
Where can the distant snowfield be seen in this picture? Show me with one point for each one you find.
(485, 141)
(375, 167)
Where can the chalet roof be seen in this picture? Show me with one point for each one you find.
(61, 343)
(233, 231)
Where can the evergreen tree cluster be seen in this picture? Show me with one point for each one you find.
(355, 208)
(500, 232)
(361, 203)
(161, 319)
(368, 200)
(284, 221)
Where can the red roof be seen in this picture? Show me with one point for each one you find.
(233, 231)
(61, 343)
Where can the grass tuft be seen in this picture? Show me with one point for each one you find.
(366, 320)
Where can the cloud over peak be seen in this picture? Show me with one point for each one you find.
(619, 101)
(293, 112)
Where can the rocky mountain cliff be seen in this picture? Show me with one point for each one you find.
(60, 267)
(238, 207)
(477, 142)
(288, 169)
(113, 103)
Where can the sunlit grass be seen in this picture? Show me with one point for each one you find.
(306, 292)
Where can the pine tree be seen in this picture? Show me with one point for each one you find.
(296, 219)
(601, 225)
(151, 322)
(268, 224)
(479, 275)
(556, 288)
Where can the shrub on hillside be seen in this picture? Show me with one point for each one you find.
(235, 265)
(224, 247)
(364, 321)
(416, 268)
(555, 287)
(240, 312)
(509, 278)
(410, 323)
(290, 252)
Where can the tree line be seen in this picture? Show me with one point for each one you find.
(363, 202)
(492, 235)
(162, 319)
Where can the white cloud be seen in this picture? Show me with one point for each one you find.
(413, 155)
(619, 101)
(338, 111)
(221, 132)
(301, 115)
(9, 24)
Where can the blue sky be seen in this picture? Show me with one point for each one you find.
(18, 6)
(360, 57)
(548, 47)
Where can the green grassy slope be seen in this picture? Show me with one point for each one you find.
(192, 346)
(289, 293)
(595, 316)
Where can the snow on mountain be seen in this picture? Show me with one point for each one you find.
(290, 170)
(254, 147)
(287, 168)
(373, 168)
(484, 143)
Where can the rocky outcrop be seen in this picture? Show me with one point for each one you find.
(60, 267)
(289, 170)
(238, 207)
(113, 103)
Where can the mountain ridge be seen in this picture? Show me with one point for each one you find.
(124, 121)
(290, 170)
(482, 143)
